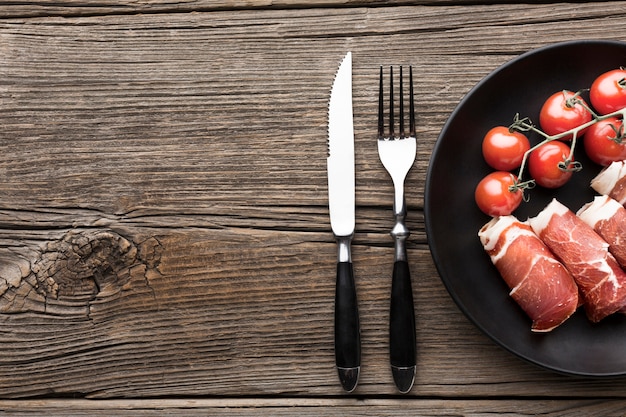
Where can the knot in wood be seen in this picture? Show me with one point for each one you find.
(85, 264)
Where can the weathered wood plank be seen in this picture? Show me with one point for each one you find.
(313, 407)
(163, 220)
(157, 116)
(46, 8)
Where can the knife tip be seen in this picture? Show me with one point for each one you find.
(403, 377)
(349, 377)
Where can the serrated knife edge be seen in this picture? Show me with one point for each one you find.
(340, 160)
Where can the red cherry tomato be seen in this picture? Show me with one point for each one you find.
(601, 141)
(493, 197)
(608, 91)
(543, 164)
(558, 114)
(504, 150)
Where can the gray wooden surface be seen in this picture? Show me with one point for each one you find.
(164, 238)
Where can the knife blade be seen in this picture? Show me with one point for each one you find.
(341, 202)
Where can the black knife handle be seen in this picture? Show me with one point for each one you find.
(347, 330)
(402, 338)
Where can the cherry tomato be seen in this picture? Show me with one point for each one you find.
(543, 164)
(600, 141)
(493, 197)
(558, 115)
(504, 150)
(608, 91)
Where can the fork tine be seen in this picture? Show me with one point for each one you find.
(381, 121)
(392, 115)
(411, 104)
(401, 109)
(391, 118)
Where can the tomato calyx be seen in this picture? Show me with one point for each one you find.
(522, 186)
(619, 134)
(572, 101)
(622, 81)
(522, 125)
(567, 165)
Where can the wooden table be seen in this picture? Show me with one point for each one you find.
(165, 246)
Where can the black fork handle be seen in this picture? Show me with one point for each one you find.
(402, 337)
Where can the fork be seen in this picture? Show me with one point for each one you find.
(397, 154)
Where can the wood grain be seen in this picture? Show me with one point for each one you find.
(314, 407)
(82, 8)
(163, 217)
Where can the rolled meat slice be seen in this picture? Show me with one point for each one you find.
(539, 283)
(608, 218)
(611, 181)
(586, 255)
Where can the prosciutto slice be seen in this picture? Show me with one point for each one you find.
(539, 283)
(611, 181)
(586, 255)
(608, 218)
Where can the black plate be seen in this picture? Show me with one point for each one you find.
(453, 219)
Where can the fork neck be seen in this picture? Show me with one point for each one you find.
(400, 232)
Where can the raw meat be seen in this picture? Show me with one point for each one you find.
(611, 181)
(608, 218)
(539, 283)
(586, 255)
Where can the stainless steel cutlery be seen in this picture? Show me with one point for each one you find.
(397, 154)
(340, 165)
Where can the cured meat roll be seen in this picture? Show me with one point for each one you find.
(586, 255)
(611, 181)
(608, 218)
(539, 283)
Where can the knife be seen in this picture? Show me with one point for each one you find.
(341, 207)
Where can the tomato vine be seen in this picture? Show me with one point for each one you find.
(568, 164)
